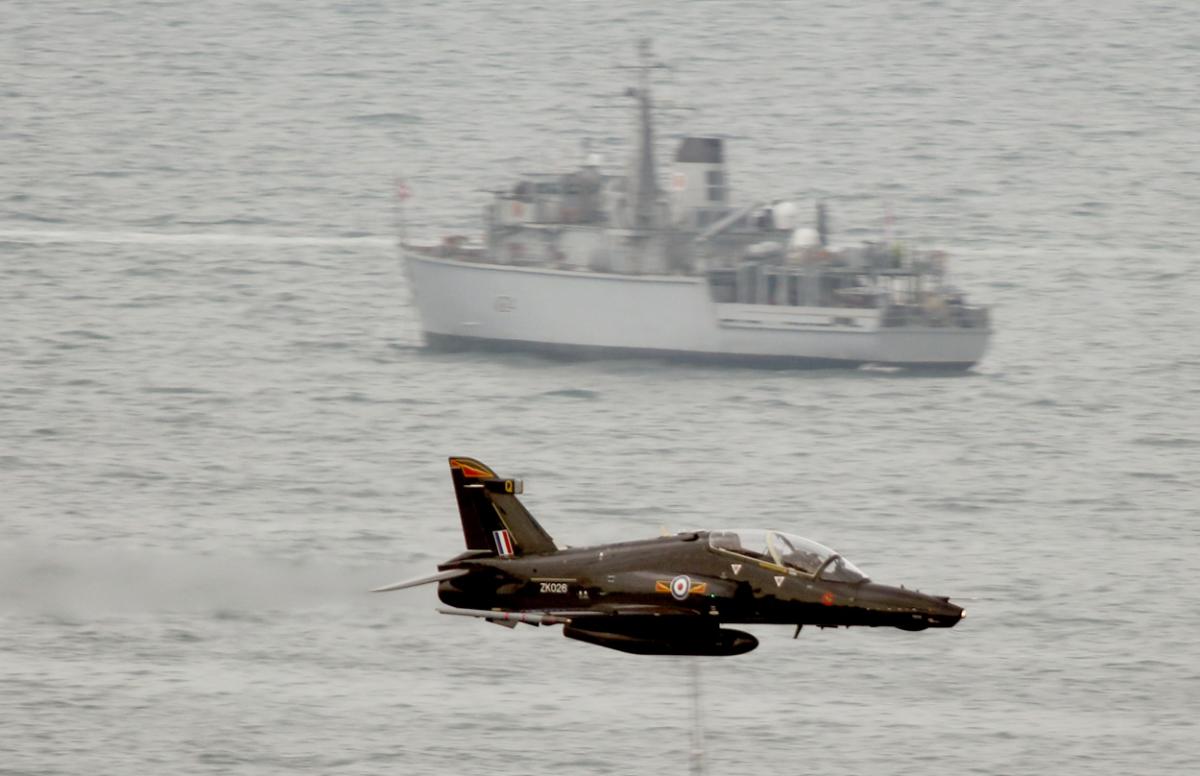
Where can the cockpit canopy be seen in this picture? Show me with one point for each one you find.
(787, 550)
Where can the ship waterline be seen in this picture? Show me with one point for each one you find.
(471, 304)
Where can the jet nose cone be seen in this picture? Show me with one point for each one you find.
(945, 614)
(909, 609)
(931, 611)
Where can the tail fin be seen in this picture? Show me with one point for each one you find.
(493, 519)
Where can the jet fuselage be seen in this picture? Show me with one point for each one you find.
(721, 585)
(667, 595)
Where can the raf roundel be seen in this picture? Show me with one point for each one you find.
(681, 586)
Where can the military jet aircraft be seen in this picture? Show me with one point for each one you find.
(668, 595)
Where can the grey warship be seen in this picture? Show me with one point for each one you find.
(589, 263)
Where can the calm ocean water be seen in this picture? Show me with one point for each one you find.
(217, 427)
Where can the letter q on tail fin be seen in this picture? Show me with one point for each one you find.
(493, 518)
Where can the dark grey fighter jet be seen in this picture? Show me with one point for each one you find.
(663, 596)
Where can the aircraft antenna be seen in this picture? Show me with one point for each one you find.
(697, 720)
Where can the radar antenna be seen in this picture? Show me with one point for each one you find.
(698, 768)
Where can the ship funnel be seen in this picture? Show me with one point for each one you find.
(699, 186)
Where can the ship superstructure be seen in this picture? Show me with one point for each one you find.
(591, 263)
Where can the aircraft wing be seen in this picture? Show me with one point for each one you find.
(565, 616)
(509, 617)
(644, 610)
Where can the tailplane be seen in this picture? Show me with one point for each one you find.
(493, 518)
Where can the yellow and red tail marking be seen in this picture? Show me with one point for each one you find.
(472, 468)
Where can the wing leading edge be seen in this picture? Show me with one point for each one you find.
(565, 617)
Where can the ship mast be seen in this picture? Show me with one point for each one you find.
(645, 194)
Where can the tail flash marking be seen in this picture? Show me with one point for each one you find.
(504, 545)
(472, 468)
(477, 473)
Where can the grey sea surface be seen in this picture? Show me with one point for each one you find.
(218, 428)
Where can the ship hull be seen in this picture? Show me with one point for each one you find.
(578, 314)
